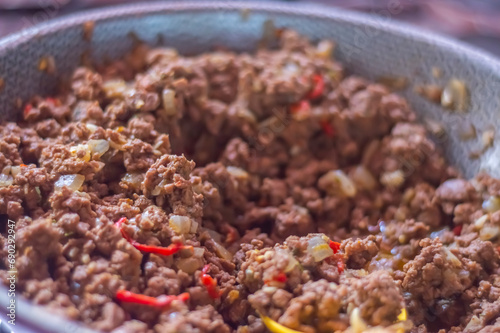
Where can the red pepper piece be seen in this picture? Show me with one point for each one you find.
(23, 165)
(165, 251)
(281, 277)
(161, 302)
(340, 266)
(319, 86)
(302, 106)
(457, 230)
(27, 110)
(335, 246)
(327, 128)
(210, 283)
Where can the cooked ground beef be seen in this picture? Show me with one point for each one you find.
(248, 189)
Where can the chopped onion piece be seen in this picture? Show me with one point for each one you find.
(479, 223)
(73, 182)
(489, 232)
(451, 257)
(237, 173)
(114, 88)
(194, 227)
(98, 147)
(91, 127)
(81, 147)
(358, 325)
(455, 95)
(393, 178)
(363, 178)
(487, 138)
(198, 252)
(15, 170)
(337, 183)
(325, 49)
(492, 204)
(189, 265)
(222, 252)
(180, 224)
(168, 99)
(214, 234)
(319, 248)
(292, 262)
(133, 179)
(6, 180)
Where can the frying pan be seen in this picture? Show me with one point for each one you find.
(371, 46)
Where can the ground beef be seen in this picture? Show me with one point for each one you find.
(266, 186)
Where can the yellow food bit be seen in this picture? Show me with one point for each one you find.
(233, 295)
(139, 104)
(120, 129)
(47, 64)
(403, 315)
(274, 327)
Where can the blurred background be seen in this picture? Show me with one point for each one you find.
(474, 21)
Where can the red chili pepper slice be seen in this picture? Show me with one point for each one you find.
(457, 230)
(340, 266)
(165, 251)
(281, 277)
(319, 86)
(327, 128)
(302, 106)
(335, 246)
(210, 283)
(23, 165)
(161, 302)
(27, 109)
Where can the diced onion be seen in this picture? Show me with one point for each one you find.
(451, 257)
(158, 188)
(363, 178)
(198, 252)
(492, 204)
(237, 173)
(168, 99)
(358, 325)
(73, 182)
(91, 127)
(15, 170)
(180, 224)
(81, 147)
(189, 265)
(393, 178)
(114, 88)
(479, 223)
(319, 248)
(455, 95)
(292, 262)
(133, 179)
(337, 183)
(275, 327)
(488, 232)
(214, 234)
(98, 147)
(325, 49)
(487, 138)
(194, 227)
(222, 252)
(6, 180)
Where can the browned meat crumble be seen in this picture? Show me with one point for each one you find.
(250, 168)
